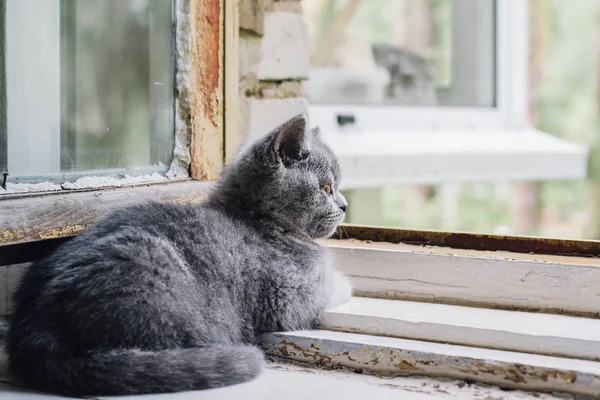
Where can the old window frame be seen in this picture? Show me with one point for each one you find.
(33, 224)
(209, 32)
(200, 136)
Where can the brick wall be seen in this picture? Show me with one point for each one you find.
(274, 60)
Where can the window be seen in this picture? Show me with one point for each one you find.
(89, 88)
(416, 64)
(413, 53)
(430, 107)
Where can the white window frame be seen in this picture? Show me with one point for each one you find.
(511, 83)
(469, 143)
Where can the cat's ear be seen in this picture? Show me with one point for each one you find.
(291, 141)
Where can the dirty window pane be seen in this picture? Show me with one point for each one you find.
(89, 87)
(402, 52)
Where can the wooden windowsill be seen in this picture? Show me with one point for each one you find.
(494, 279)
(55, 216)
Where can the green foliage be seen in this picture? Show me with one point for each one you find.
(566, 104)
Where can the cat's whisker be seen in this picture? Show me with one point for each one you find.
(343, 232)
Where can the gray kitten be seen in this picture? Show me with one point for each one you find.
(411, 81)
(164, 297)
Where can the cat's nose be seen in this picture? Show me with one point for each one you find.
(341, 201)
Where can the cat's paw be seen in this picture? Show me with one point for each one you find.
(342, 290)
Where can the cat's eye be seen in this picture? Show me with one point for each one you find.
(326, 189)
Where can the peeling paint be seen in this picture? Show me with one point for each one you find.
(67, 230)
(206, 88)
(16, 235)
(403, 366)
(391, 362)
(86, 182)
(183, 126)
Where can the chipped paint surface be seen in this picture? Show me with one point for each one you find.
(86, 182)
(206, 88)
(283, 380)
(34, 218)
(17, 235)
(183, 126)
(392, 362)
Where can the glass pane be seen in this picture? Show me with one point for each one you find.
(402, 52)
(117, 84)
(107, 87)
(564, 101)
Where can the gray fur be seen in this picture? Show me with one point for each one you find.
(163, 297)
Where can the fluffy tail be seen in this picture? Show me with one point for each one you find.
(124, 372)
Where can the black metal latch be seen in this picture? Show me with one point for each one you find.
(345, 119)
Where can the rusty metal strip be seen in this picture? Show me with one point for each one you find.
(472, 241)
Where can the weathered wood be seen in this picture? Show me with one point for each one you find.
(28, 251)
(472, 241)
(252, 16)
(391, 357)
(232, 79)
(207, 87)
(59, 215)
(551, 284)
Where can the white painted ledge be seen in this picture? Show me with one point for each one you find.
(534, 333)
(379, 158)
(467, 277)
(390, 357)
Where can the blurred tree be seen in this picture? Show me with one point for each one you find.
(593, 203)
(526, 205)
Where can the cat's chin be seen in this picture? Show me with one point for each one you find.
(325, 234)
